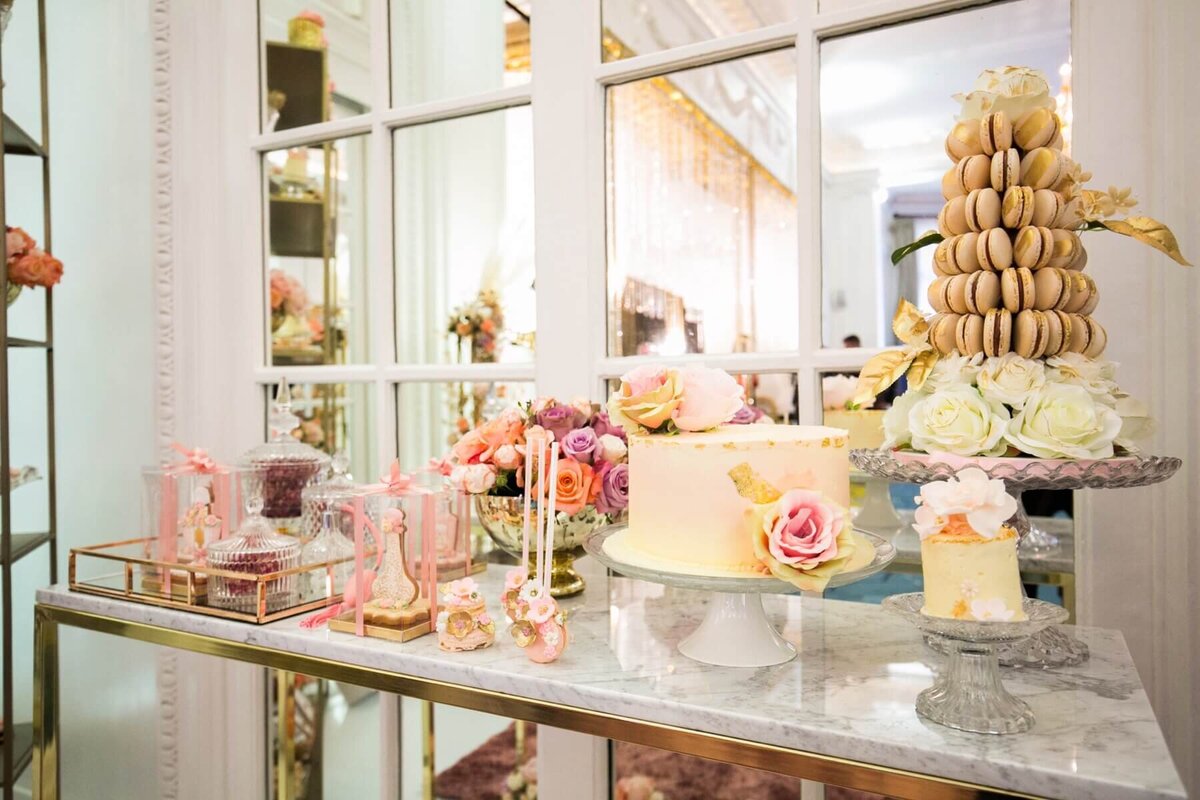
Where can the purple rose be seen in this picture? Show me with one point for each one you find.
(747, 415)
(613, 497)
(602, 425)
(560, 420)
(580, 444)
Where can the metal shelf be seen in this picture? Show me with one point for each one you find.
(14, 341)
(25, 543)
(22, 734)
(19, 143)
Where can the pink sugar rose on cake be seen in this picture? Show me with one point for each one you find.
(647, 399)
(711, 397)
(802, 529)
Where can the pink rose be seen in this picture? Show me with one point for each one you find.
(711, 397)
(507, 457)
(474, 478)
(802, 529)
(18, 242)
(649, 396)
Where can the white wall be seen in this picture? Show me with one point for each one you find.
(99, 57)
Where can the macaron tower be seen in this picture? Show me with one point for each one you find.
(1010, 266)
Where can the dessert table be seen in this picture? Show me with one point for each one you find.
(840, 713)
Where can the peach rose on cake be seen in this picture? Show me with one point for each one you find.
(803, 538)
(971, 494)
(574, 486)
(647, 399)
(711, 397)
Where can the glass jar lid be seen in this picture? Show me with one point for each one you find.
(281, 447)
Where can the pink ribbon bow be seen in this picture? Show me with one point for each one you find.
(196, 462)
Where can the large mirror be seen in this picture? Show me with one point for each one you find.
(885, 110)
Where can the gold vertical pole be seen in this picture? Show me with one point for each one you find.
(45, 708)
(427, 750)
(519, 743)
(285, 752)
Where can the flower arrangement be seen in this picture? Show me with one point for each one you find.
(657, 399)
(288, 297)
(27, 264)
(592, 473)
(479, 322)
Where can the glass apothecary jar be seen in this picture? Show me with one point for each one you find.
(334, 494)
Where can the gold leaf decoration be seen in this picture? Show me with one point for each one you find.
(751, 485)
(1148, 231)
(881, 372)
(922, 365)
(909, 323)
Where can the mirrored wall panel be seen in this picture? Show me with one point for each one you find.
(336, 417)
(432, 416)
(886, 108)
(316, 61)
(29, 444)
(638, 27)
(702, 239)
(464, 240)
(316, 242)
(22, 79)
(451, 48)
(474, 755)
(24, 208)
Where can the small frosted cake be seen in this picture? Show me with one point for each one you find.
(968, 553)
(686, 515)
(865, 426)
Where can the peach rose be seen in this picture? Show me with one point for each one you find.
(35, 268)
(468, 449)
(649, 396)
(710, 398)
(507, 457)
(474, 478)
(18, 242)
(574, 488)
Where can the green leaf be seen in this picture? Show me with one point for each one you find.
(933, 237)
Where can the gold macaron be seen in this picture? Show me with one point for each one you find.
(1018, 207)
(995, 133)
(1033, 247)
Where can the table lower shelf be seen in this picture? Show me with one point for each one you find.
(22, 734)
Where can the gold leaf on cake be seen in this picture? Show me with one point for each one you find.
(880, 372)
(751, 486)
(1148, 231)
(920, 368)
(909, 323)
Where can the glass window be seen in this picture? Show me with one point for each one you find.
(316, 65)
(29, 443)
(22, 76)
(336, 417)
(636, 27)
(24, 208)
(464, 240)
(432, 416)
(452, 48)
(702, 240)
(316, 280)
(884, 121)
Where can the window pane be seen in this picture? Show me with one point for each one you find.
(336, 417)
(702, 210)
(25, 209)
(884, 122)
(22, 75)
(464, 240)
(317, 66)
(317, 221)
(637, 27)
(452, 48)
(432, 416)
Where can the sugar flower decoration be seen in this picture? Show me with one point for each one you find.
(991, 610)
(541, 610)
(983, 501)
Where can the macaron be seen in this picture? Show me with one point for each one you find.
(1032, 247)
(993, 249)
(942, 328)
(1058, 142)
(1081, 258)
(963, 140)
(1030, 334)
(1051, 288)
(965, 254)
(995, 133)
(997, 332)
(1098, 339)
(982, 292)
(951, 219)
(1081, 290)
(973, 172)
(1048, 206)
(1093, 295)
(1017, 289)
(1006, 169)
(1081, 333)
(1066, 248)
(968, 334)
(1057, 324)
(943, 257)
(956, 293)
(950, 187)
(1036, 128)
(982, 209)
(1018, 207)
(1041, 168)
(937, 294)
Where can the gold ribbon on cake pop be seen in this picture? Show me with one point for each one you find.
(916, 359)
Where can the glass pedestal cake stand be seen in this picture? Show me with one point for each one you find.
(968, 694)
(735, 631)
(1048, 647)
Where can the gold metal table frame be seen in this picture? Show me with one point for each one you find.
(793, 762)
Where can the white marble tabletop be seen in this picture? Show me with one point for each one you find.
(849, 694)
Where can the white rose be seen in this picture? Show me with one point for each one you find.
(612, 449)
(1010, 378)
(895, 419)
(1013, 90)
(838, 390)
(1136, 423)
(474, 478)
(1098, 377)
(1062, 420)
(710, 398)
(958, 420)
(953, 370)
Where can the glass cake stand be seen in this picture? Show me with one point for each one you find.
(968, 694)
(1047, 647)
(735, 631)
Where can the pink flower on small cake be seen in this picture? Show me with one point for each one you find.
(803, 538)
(983, 502)
(541, 610)
(515, 578)
(711, 397)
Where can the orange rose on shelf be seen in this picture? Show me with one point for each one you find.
(27, 265)
(574, 488)
(648, 398)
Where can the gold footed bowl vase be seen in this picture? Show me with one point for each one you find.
(503, 518)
